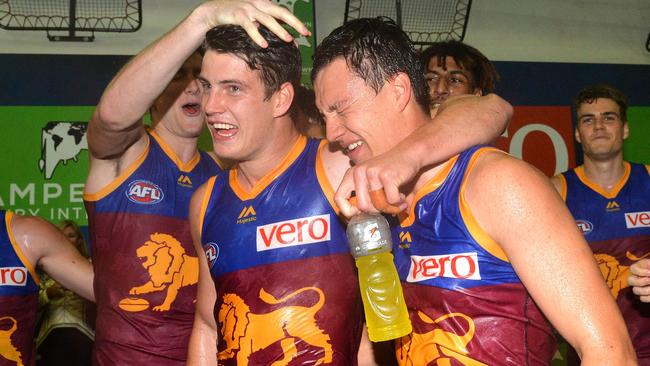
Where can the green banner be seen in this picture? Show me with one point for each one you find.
(45, 161)
(304, 10)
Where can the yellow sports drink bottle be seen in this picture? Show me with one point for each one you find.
(383, 301)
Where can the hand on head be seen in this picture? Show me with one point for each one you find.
(249, 14)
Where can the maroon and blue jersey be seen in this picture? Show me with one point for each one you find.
(146, 268)
(616, 223)
(18, 299)
(286, 284)
(467, 305)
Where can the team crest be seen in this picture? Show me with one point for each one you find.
(585, 226)
(211, 253)
(144, 192)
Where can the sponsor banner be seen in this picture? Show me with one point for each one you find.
(637, 219)
(304, 10)
(306, 230)
(45, 161)
(542, 136)
(461, 265)
(13, 276)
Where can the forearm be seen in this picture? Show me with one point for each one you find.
(140, 82)
(202, 346)
(459, 124)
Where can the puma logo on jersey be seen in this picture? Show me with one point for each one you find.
(13, 276)
(404, 239)
(247, 214)
(637, 219)
(613, 206)
(306, 230)
(184, 180)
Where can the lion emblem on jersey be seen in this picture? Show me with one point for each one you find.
(7, 349)
(245, 332)
(614, 273)
(439, 346)
(169, 268)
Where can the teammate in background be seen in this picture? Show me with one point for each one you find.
(140, 183)
(454, 68)
(487, 242)
(279, 284)
(64, 326)
(26, 244)
(610, 201)
(306, 116)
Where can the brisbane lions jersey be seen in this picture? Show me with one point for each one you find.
(146, 268)
(616, 223)
(18, 299)
(286, 284)
(466, 303)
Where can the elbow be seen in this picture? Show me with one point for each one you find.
(105, 118)
(501, 111)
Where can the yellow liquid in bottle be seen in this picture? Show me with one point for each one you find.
(383, 300)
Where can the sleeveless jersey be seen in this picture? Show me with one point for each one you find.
(18, 299)
(616, 224)
(287, 286)
(467, 305)
(146, 268)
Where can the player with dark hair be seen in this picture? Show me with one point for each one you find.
(486, 251)
(610, 200)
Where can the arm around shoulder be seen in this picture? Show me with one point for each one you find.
(550, 256)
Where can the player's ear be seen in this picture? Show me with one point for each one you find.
(401, 89)
(283, 98)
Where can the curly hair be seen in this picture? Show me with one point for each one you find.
(483, 74)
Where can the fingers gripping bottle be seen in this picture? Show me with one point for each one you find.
(370, 244)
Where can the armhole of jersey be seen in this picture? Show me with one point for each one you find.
(30, 267)
(204, 204)
(481, 237)
(323, 180)
(563, 186)
(110, 187)
(647, 167)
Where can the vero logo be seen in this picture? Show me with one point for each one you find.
(637, 219)
(13, 276)
(306, 230)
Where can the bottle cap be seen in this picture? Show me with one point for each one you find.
(368, 233)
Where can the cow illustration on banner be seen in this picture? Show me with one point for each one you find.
(60, 142)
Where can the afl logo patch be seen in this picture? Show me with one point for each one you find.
(585, 226)
(144, 192)
(211, 253)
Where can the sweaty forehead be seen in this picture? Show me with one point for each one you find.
(334, 85)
